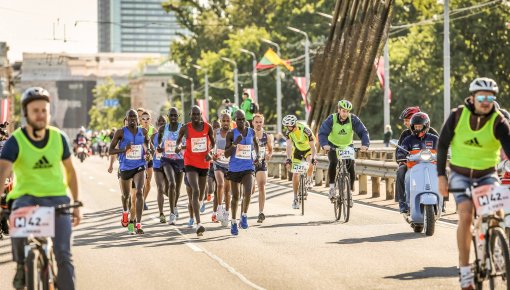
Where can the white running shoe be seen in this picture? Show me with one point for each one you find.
(220, 213)
(171, 219)
(309, 183)
(224, 221)
(295, 204)
(176, 213)
(467, 281)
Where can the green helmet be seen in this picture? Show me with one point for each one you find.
(344, 104)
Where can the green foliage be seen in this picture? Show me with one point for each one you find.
(102, 117)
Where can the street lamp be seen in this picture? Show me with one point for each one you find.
(182, 100)
(255, 89)
(278, 87)
(192, 87)
(236, 93)
(206, 90)
(446, 58)
(307, 59)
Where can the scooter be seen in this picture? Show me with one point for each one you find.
(82, 152)
(425, 201)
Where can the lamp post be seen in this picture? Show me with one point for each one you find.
(192, 87)
(307, 58)
(446, 58)
(182, 100)
(206, 90)
(236, 92)
(278, 87)
(255, 88)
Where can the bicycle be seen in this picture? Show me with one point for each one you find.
(302, 169)
(37, 224)
(492, 259)
(343, 196)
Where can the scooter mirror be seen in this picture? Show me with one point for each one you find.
(506, 165)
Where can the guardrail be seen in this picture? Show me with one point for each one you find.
(376, 169)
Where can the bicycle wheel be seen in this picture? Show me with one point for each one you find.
(499, 259)
(302, 191)
(36, 274)
(336, 201)
(345, 197)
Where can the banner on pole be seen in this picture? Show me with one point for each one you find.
(379, 66)
(201, 104)
(5, 107)
(301, 83)
(251, 93)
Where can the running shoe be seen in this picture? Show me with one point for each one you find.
(262, 217)
(213, 218)
(309, 183)
(467, 282)
(209, 196)
(162, 218)
(145, 207)
(131, 228)
(200, 230)
(19, 277)
(295, 204)
(139, 230)
(124, 220)
(190, 223)
(176, 212)
(202, 208)
(233, 229)
(244, 222)
(331, 194)
(171, 219)
(224, 221)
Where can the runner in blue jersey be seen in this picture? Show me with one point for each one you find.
(159, 174)
(171, 162)
(240, 142)
(134, 149)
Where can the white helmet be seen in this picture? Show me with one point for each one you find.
(289, 120)
(483, 84)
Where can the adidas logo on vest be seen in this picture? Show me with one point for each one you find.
(42, 163)
(473, 142)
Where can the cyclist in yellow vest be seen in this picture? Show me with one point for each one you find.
(300, 146)
(40, 158)
(475, 133)
(338, 131)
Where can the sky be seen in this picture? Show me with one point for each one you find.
(27, 26)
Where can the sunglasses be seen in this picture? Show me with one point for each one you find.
(489, 99)
(146, 119)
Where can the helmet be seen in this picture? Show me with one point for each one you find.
(289, 120)
(483, 84)
(82, 129)
(420, 118)
(33, 94)
(344, 104)
(407, 113)
(225, 111)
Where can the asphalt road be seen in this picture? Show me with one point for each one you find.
(376, 249)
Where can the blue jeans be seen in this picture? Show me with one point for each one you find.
(61, 241)
(460, 181)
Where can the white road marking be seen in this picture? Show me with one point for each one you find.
(112, 190)
(100, 183)
(91, 177)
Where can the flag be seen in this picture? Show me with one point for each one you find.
(4, 114)
(507, 25)
(301, 83)
(251, 93)
(379, 66)
(271, 59)
(203, 108)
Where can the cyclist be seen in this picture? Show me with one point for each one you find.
(41, 180)
(240, 142)
(420, 139)
(338, 131)
(400, 196)
(475, 133)
(266, 151)
(300, 145)
(220, 165)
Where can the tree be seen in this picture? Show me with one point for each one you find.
(102, 117)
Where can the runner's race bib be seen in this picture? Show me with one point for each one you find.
(170, 146)
(262, 152)
(300, 167)
(135, 153)
(36, 221)
(243, 151)
(345, 153)
(221, 155)
(199, 145)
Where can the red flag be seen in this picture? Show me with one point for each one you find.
(507, 25)
(4, 115)
(201, 104)
(251, 93)
(379, 66)
(301, 83)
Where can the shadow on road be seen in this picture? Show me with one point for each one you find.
(427, 272)
(397, 237)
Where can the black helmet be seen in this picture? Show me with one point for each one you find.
(33, 94)
(420, 118)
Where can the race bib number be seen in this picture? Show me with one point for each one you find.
(36, 221)
(221, 155)
(488, 198)
(243, 151)
(300, 168)
(262, 152)
(135, 153)
(170, 147)
(345, 153)
(198, 145)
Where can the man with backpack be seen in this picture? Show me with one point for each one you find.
(249, 107)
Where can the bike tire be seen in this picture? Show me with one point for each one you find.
(345, 195)
(336, 202)
(499, 259)
(302, 189)
(34, 271)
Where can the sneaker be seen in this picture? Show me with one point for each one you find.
(295, 204)
(262, 217)
(233, 229)
(19, 278)
(202, 208)
(331, 194)
(171, 219)
(244, 222)
(209, 196)
(176, 213)
(200, 230)
(162, 218)
(131, 228)
(190, 223)
(224, 221)
(213, 218)
(124, 220)
(145, 207)
(467, 282)
(309, 183)
(139, 230)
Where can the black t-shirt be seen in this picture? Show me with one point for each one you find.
(11, 148)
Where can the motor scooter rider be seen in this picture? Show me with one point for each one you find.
(418, 140)
(405, 116)
(81, 138)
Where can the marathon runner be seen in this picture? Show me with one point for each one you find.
(145, 121)
(220, 165)
(240, 143)
(161, 181)
(199, 142)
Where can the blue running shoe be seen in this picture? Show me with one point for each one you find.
(190, 223)
(233, 229)
(202, 208)
(244, 222)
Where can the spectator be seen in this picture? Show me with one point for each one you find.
(387, 135)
